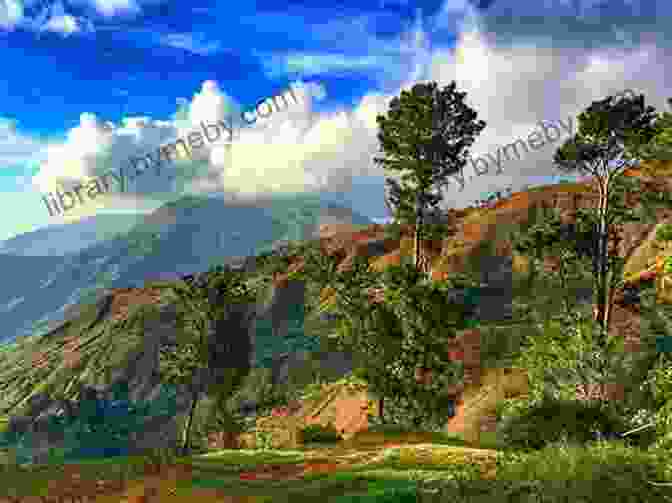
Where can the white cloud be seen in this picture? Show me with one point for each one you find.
(53, 17)
(112, 7)
(191, 42)
(11, 13)
(61, 22)
(515, 84)
(512, 85)
(312, 64)
(94, 148)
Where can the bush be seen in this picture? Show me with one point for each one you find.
(551, 420)
(664, 233)
(389, 491)
(318, 433)
(559, 474)
(391, 428)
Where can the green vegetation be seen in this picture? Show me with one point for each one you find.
(425, 138)
(548, 442)
(316, 433)
(204, 304)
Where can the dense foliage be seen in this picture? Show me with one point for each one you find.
(317, 433)
(550, 420)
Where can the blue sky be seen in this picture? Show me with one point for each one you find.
(87, 83)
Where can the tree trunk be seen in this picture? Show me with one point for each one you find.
(416, 245)
(600, 261)
(187, 427)
(602, 252)
(419, 258)
(381, 409)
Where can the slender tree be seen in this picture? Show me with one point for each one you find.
(611, 132)
(425, 137)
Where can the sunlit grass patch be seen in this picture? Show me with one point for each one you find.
(259, 456)
(230, 460)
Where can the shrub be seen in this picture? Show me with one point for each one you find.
(664, 233)
(561, 473)
(389, 491)
(551, 420)
(392, 429)
(318, 433)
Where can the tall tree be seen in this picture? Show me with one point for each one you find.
(425, 137)
(203, 303)
(611, 132)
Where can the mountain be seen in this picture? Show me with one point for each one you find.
(181, 237)
(67, 239)
(104, 341)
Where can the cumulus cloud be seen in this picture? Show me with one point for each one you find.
(57, 20)
(94, 148)
(11, 13)
(54, 18)
(513, 85)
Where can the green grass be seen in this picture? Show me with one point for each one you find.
(227, 461)
(352, 483)
(491, 440)
(558, 473)
(441, 438)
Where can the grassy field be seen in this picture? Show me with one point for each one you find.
(219, 472)
(395, 471)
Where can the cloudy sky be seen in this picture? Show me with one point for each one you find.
(86, 84)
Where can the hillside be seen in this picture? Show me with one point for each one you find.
(107, 341)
